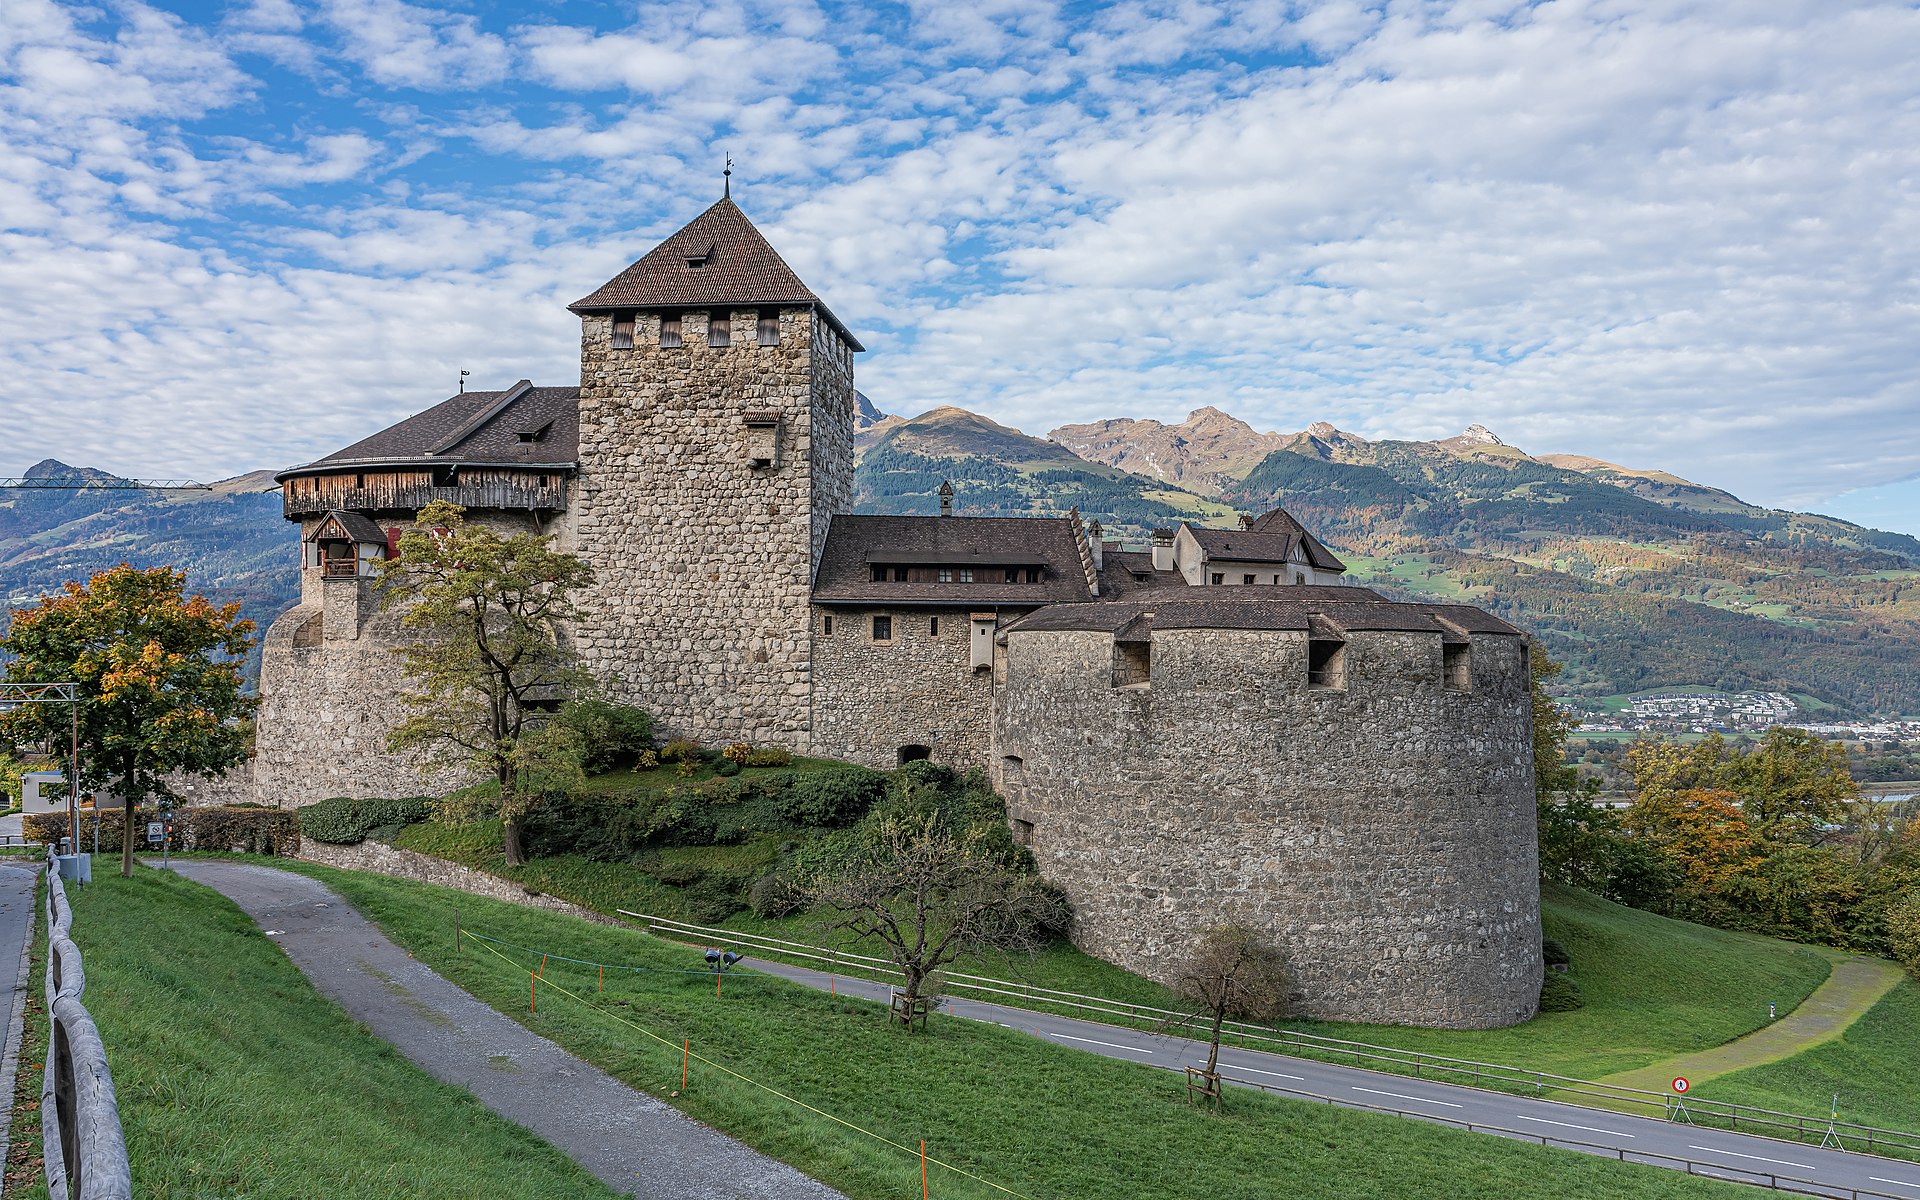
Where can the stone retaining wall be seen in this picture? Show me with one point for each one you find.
(424, 868)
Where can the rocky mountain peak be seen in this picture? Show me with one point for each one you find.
(1478, 435)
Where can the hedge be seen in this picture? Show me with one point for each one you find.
(346, 820)
(248, 830)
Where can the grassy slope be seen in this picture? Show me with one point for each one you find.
(1046, 1121)
(236, 1078)
(1870, 1067)
(1654, 986)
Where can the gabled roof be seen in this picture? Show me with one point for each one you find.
(856, 543)
(738, 267)
(354, 526)
(1244, 545)
(1280, 521)
(473, 428)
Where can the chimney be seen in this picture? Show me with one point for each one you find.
(1094, 544)
(1163, 549)
(946, 497)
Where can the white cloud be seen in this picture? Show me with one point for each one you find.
(412, 45)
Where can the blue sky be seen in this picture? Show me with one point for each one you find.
(1661, 232)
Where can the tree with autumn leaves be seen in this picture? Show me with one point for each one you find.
(160, 676)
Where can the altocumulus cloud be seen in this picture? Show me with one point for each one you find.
(1662, 232)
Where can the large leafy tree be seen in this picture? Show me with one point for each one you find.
(490, 662)
(159, 675)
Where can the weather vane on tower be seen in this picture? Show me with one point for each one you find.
(726, 180)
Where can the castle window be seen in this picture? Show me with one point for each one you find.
(1132, 663)
(669, 332)
(768, 332)
(883, 629)
(1217, 578)
(1247, 578)
(933, 626)
(946, 574)
(966, 574)
(879, 573)
(899, 574)
(623, 331)
(1033, 574)
(827, 624)
(1456, 666)
(719, 329)
(1326, 663)
(1013, 574)
(1022, 832)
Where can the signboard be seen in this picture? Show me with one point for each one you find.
(156, 832)
(1680, 1085)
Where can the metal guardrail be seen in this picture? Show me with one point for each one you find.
(1420, 1064)
(80, 1138)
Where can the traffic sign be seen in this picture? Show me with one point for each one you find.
(156, 832)
(1680, 1085)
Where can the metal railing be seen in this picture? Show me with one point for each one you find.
(1418, 1063)
(80, 1138)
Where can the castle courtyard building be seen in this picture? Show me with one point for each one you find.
(1219, 728)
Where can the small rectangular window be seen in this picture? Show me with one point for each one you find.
(1246, 579)
(1218, 577)
(1456, 667)
(623, 331)
(1013, 574)
(879, 573)
(1033, 574)
(827, 624)
(669, 332)
(899, 574)
(966, 574)
(933, 626)
(769, 329)
(1132, 664)
(946, 574)
(1326, 663)
(719, 329)
(883, 629)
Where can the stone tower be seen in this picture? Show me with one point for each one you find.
(716, 445)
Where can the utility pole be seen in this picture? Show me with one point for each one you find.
(12, 694)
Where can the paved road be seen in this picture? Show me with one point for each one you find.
(1734, 1156)
(1856, 985)
(17, 877)
(636, 1144)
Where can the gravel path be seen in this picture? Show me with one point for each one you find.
(636, 1144)
(1856, 985)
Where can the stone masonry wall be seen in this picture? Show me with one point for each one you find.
(1383, 836)
(871, 698)
(701, 612)
(424, 868)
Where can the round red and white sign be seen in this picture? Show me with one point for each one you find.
(1681, 1085)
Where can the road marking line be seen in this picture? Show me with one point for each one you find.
(1781, 1162)
(1415, 1099)
(1093, 1042)
(1894, 1182)
(1258, 1071)
(1564, 1125)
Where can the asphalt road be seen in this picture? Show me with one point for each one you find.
(633, 1142)
(17, 878)
(1717, 1153)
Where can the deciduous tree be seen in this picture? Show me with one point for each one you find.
(490, 662)
(1233, 974)
(160, 677)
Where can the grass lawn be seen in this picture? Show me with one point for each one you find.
(236, 1078)
(1044, 1121)
(1871, 1068)
(1654, 986)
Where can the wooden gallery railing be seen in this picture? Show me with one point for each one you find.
(80, 1138)
(307, 501)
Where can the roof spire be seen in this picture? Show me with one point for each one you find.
(726, 180)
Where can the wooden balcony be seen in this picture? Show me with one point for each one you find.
(310, 501)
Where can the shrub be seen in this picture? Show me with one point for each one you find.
(1903, 931)
(248, 830)
(1559, 993)
(687, 765)
(646, 760)
(737, 752)
(680, 749)
(615, 735)
(831, 797)
(727, 766)
(775, 895)
(345, 820)
(1554, 954)
(770, 756)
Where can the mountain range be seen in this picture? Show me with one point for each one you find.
(1632, 578)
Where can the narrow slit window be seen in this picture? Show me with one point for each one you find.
(719, 329)
(768, 331)
(1456, 670)
(669, 332)
(933, 626)
(826, 625)
(1326, 663)
(623, 331)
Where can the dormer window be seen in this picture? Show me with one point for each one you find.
(623, 331)
(697, 259)
(669, 332)
(535, 435)
(719, 329)
(769, 328)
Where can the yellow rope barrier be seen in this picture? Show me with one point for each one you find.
(687, 1053)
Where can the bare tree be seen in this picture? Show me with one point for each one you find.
(1231, 974)
(928, 894)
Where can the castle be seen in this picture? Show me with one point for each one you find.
(1218, 728)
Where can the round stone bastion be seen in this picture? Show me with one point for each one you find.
(1352, 781)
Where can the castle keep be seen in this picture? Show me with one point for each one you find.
(1216, 728)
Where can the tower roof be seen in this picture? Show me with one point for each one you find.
(717, 258)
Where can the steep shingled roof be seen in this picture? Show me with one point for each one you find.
(855, 543)
(738, 266)
(1280, 521)
(1299, 607)
(474, 427)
